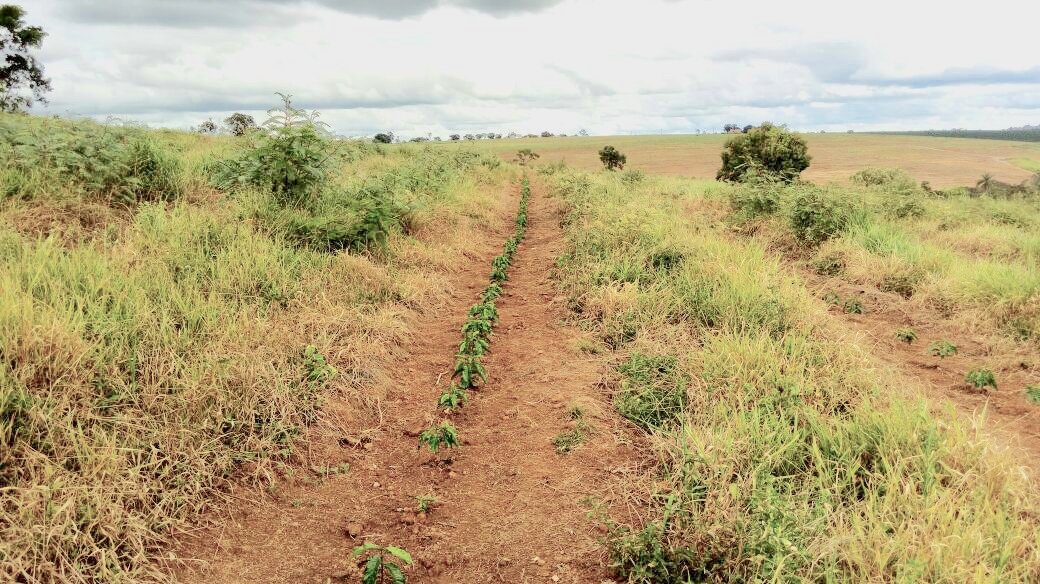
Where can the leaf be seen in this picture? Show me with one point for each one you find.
(396, 575)
(372, 569)
(364, 548)
(400, 554)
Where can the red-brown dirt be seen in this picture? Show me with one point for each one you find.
(509, 507)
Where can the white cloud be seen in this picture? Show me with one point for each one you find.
(607, 65)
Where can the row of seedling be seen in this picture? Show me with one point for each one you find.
(470, 370)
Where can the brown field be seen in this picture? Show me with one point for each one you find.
(944, 162)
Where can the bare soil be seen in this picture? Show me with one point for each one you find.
(509, 507)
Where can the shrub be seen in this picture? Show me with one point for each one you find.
(383, 138)
(633, 177)
(612, 158)
(889, 178)
(830, 264)
(942, 349)
(769, 149)
(525, 156)
(853, 306)
(755, 199)
(240, 124)
(816, 216)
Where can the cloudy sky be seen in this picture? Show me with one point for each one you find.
(609, 66)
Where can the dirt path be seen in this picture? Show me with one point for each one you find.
(509, 507)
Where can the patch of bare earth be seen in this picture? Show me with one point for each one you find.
(1007, 412)
(509, 507)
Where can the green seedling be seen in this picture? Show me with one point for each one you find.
(478, 326)
(424, 503)
(1033, 393)
(316, 368)
(380, 563)
(832, 299)
(942, 349)
(484, 311)
(474, 343)
(982, 379)
(907, 335)
(325, 470)
(492, 292)
(468, 369)
(452, 398)
(853, 306)
(443, 435)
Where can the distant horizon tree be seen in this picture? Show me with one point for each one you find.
(746, 128)
(21, 76)
(455, 137)
(383, 138)
(207, 127)
(239, 124)
(547, 134)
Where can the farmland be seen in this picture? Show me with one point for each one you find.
(226, 359)
(944, 162)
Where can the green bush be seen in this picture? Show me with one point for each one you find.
(767, 149)
(816, 215)
(888, 178)
(756, 198)
(653, 391)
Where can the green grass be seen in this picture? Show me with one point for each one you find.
(152, 345)
(790, 458)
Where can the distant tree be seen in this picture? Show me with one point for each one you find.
(612, 159)
(525, 156)
(513, 135)
(730, 127)
(583, 132)
(469, 137)
(383, 138)
(20, 72)
(746, 128)
(436, 138)
(455, 137)
(240, 124)
(547, 134)
(770, 150)
(985, 183)
(207, 127)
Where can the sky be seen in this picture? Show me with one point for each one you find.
(437, 67)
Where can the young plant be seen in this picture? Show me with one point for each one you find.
(452, 398)
(468, 369)
(492, 292)
(443, 435)
(907, 335)
(316, 369)
(381, 565)
(484, 311)
(982, 379)
(942, 349)
(853, 306)
(1033, 393)
(424, 503)
(832, 298)
(474, 343)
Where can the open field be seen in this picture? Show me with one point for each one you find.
(944, 162)
(237, 359)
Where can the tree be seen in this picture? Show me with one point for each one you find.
(383, 138)
(612, 159)
(207, 127)
(730, 127)
(583, 132)
(455, 137)
(746, 128)
(468, 137)
(547, 134)
(768, 150)
(20, 72)
(985, 183)
(240, 124)
(525, 156)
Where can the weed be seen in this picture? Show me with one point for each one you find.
(853, 306)
(568, 440)
(653, 392)
(981, 379)
(832, 298)
(816, 215)
(831, 264)
(380, 563)
(325, 470)
(443, 435)
(942, 349)
(907, 335)
(316, 368)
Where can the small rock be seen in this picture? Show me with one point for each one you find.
(555, 578)
(375, 485)
(452, 474)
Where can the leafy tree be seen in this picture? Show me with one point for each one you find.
(19, 70)
(207, 127)
(747, 128)
(768, 150)
(240, 124)
(583, 132)
(612, 158)
(468, 137)
(383, 138)
(525, 156)
(730, 127)
(455, 137)
(547, 134)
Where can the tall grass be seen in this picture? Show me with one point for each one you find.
(788, 456)
(144, 362)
